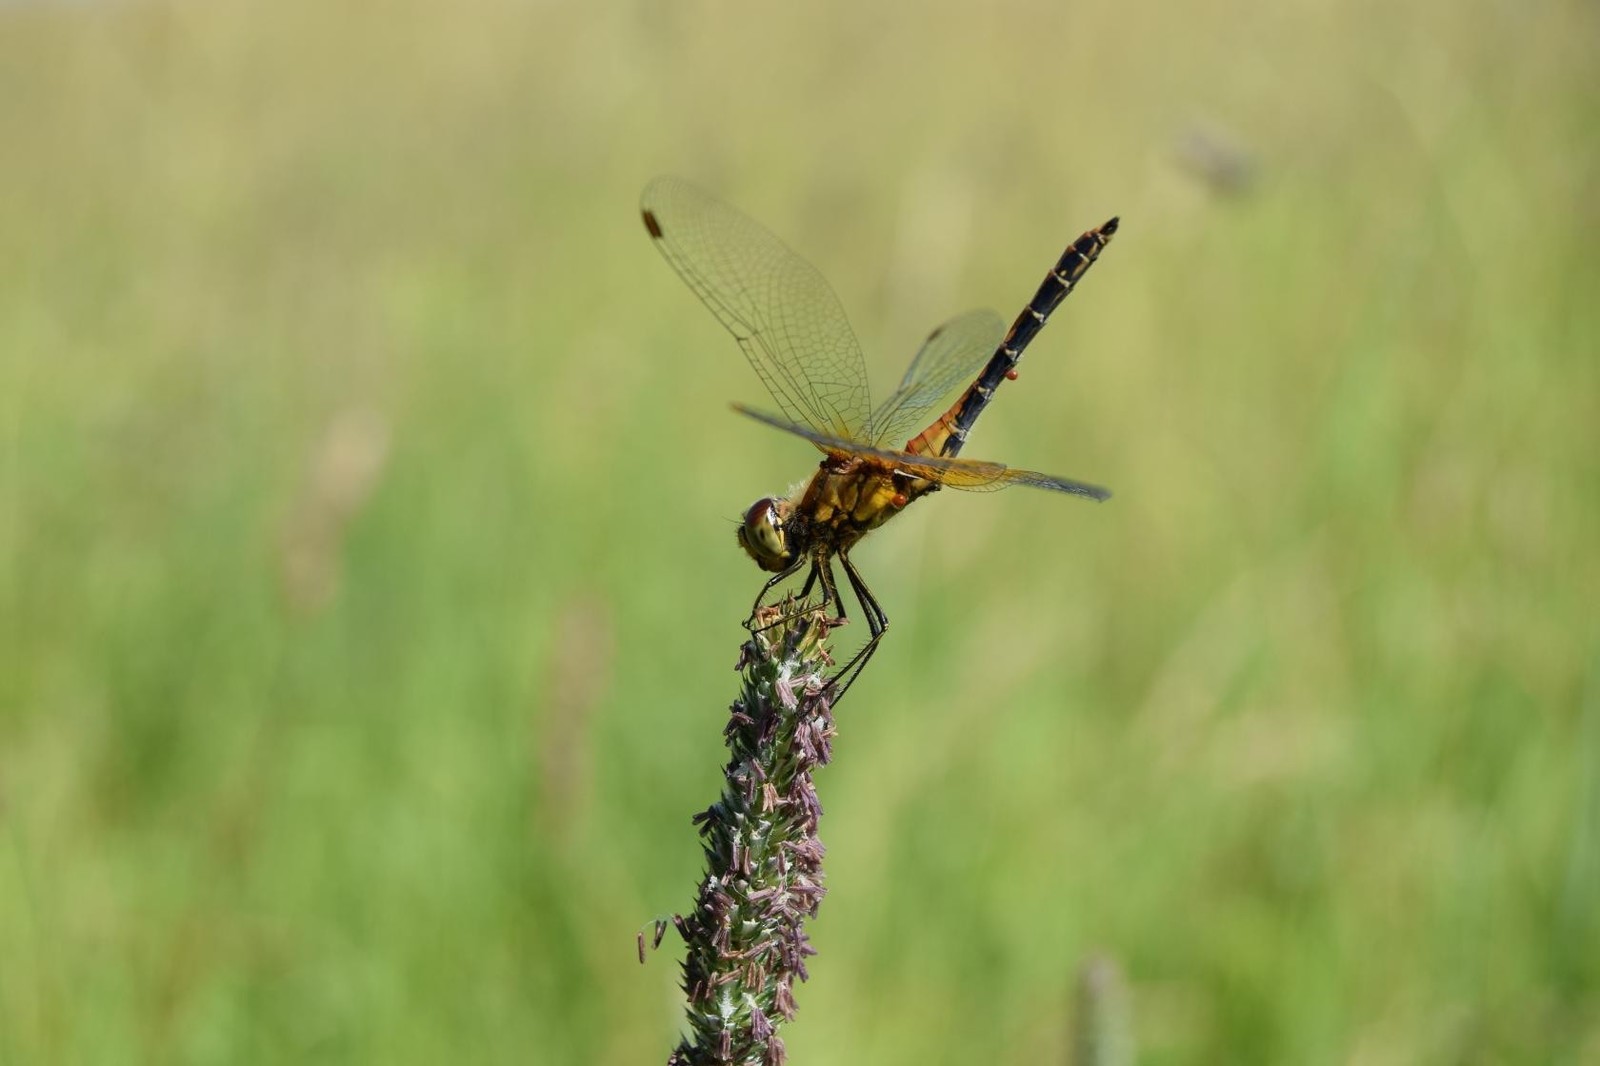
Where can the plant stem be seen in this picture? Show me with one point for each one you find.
(746, 935)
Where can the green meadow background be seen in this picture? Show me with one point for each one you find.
(368, 591)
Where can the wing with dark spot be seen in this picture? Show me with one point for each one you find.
(777, 306)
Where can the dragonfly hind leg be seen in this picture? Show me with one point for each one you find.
(877, 626)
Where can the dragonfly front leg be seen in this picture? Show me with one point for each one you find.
(821, 572)
(773, 582)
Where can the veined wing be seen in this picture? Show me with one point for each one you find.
(777, 306)
(971, 474)
(951, 356)
(1033, 479)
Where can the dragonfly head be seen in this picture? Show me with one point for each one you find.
(762, 534)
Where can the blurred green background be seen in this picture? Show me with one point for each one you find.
(369, 598)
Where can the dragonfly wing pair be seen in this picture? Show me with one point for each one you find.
(793, 330)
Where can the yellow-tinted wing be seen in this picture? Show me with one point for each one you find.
(1034, 479)
(777, 306)
(970, 474)
(951, 356)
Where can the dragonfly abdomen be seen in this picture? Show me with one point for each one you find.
(946, 435)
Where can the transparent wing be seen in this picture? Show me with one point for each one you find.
(952, 355)
(1033, 479)
(777, 306)
(971, 474)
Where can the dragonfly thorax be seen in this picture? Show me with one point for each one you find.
(763, 534)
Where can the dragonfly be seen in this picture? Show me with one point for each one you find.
(794, 332)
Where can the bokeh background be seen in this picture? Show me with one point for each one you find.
(368, 592)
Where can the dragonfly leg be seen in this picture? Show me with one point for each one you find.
(877, 626)
(821, 571)
(811, 580)
(830, 587)
(773, 582)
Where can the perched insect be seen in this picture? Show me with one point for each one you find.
(796, 336)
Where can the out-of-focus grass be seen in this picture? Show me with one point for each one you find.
(368, 598)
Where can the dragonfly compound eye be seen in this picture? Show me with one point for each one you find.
(762, 535)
